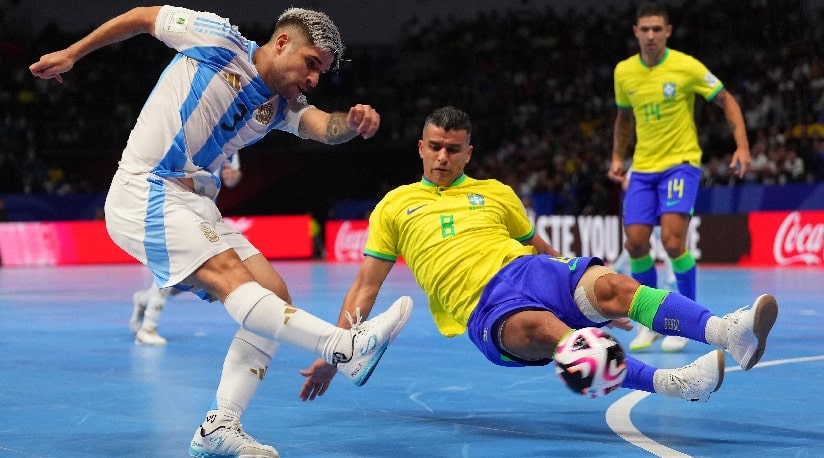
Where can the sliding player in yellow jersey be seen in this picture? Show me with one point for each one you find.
(486, 272)
(655, 92)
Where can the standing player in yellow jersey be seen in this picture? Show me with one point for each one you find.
(655, 92)
(486, 272)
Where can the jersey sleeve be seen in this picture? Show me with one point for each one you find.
(705, 83)
(294, 110)
(382, 234)
(186, 30)
(517, 221)
(621, 99)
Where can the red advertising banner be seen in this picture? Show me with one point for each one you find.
(758, 238)
(345, 240)
(88, 242)
(787, 238)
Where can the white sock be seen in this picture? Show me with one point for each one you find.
(245, 366)
(716, 332)
(154, 306)
(262, 312)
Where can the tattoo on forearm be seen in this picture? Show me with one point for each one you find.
(337, 131)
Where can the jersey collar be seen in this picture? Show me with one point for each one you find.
(457, 181)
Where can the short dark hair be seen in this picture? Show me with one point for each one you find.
(652, 9)
(449, 118)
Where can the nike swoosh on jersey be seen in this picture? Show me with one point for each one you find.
(574, 265)
(409, 211)
(670, 203)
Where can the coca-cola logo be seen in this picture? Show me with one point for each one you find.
(349, 242)
(796, 242)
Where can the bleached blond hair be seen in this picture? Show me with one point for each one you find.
(319, 29)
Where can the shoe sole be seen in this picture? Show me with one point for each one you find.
(765, 312)
(719, 354)
(406, 312)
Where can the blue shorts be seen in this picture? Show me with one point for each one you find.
(528, 283)
(649, 195)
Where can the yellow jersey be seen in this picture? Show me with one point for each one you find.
(453, 238)
(662, 99)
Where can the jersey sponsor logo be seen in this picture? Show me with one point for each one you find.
(409, 211)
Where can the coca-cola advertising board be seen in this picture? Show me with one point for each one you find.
(345, 240)
(758, 238)
(787, 238)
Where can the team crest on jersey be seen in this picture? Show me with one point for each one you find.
(210, 233)
(232, 79)
(669, 90)
(264, 113)
(476, 200)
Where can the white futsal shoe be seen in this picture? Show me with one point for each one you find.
(748, 328)
(674, 344)
(148, 305)
(222, 436)
(149, 337)
(644, 339)
(694, 382)
(370, 340)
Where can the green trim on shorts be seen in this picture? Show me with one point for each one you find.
(645, 304)
(683, 263)
(643, 264)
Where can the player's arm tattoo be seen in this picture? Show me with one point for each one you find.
(721, 100)
(337, 130)
(624, 124)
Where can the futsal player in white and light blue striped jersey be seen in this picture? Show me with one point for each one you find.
(222, 92)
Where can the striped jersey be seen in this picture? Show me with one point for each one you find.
(662, 99)
(208, 103)
(453, 238)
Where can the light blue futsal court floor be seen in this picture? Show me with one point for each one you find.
(73, 384)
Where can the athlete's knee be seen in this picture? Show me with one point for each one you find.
(614, 294)
(240, 302)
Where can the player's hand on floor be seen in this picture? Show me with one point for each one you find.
(318, 378)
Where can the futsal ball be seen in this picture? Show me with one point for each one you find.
(590, 362)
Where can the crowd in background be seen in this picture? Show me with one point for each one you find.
(537, 83)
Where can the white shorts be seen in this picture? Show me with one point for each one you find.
(167, 227)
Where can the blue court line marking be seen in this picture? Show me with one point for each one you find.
(619, 422)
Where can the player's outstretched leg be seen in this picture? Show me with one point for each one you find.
(694, 382)
(370, 340)
(222, 436)
(748, 328)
